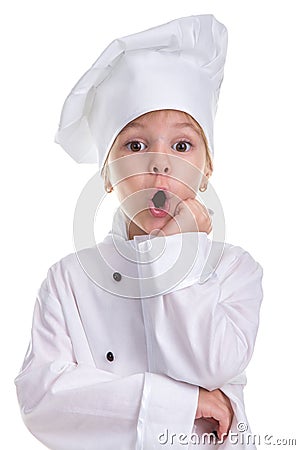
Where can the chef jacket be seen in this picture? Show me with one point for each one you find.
(116, 362)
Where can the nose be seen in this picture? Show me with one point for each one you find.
(159, 160)
(156, 170)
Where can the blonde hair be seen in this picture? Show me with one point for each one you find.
(189, 117)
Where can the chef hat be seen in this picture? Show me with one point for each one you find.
(177, 65)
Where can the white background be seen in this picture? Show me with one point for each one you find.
(45, 48)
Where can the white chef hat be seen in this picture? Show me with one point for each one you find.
(177, 65)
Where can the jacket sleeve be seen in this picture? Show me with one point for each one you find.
(71, 405)
(212, 325)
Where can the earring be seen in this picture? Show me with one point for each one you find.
(109, 190)
(203, 188)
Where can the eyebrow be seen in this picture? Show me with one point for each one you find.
(132, 125)
(187, 125)
(176, 125)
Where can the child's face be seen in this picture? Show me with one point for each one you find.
(158, 151)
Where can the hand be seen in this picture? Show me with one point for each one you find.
(190, 215)
(215, 406)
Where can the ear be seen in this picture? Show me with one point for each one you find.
(208, 168)
(107, 184)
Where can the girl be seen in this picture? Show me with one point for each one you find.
(141, 341)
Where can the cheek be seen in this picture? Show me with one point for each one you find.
(131, 184)
(188, 181)
(187, 170)
(127, 167)
(130, 189)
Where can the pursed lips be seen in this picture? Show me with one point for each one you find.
(159, 204)
(159, 198)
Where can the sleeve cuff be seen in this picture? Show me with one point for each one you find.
(168, 406)
(169, 263)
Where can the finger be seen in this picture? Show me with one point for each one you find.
(200, 214)
(178, 208)
(211, 420)
(203, 208)
(223, 398)
(223, 415)
(224, 425)
(228, 404)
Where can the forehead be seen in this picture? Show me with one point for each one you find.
(172, 118)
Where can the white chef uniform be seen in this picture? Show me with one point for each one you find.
(107, 371)
(118, 351)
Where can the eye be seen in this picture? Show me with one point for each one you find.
(135, 146)
(182, 146)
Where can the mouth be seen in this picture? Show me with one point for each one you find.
(159, 205)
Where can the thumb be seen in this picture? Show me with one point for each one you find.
(179, 208)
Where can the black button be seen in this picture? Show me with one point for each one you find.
(117, 276)
(110, 356)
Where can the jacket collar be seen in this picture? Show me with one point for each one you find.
(120, 224)
(165, 263)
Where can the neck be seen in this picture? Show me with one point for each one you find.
(134, 230)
